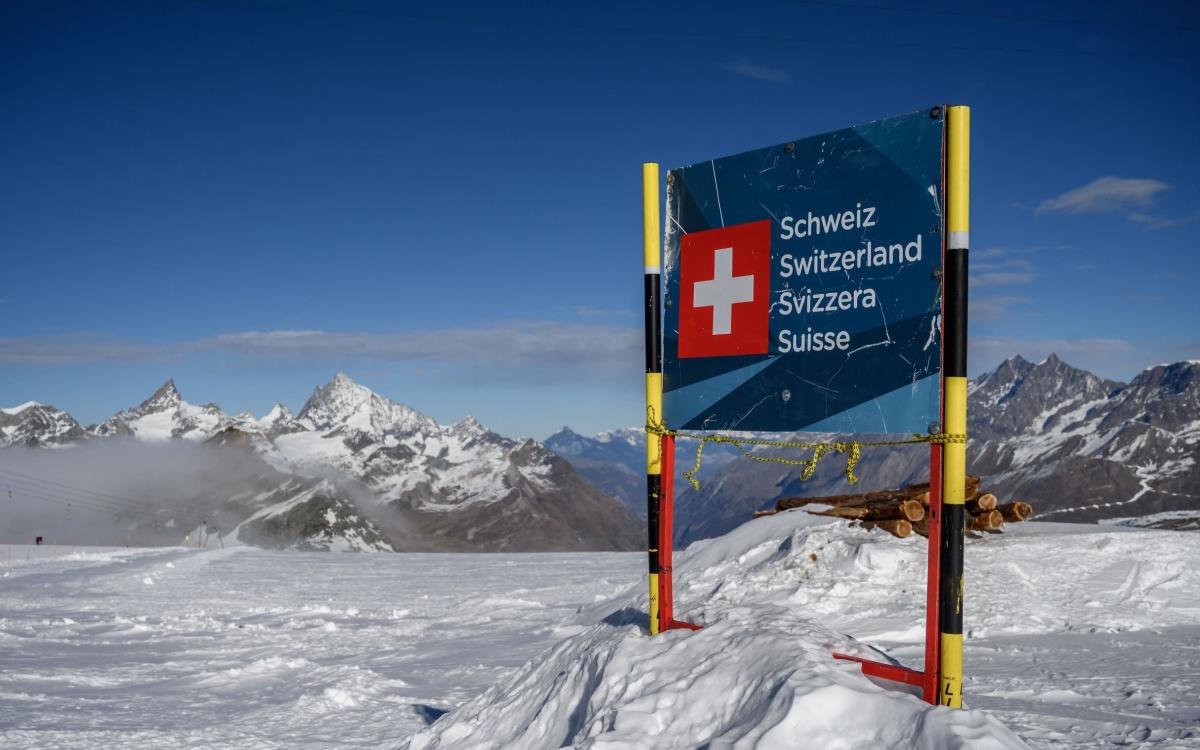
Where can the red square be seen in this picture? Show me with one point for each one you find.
(724, 289)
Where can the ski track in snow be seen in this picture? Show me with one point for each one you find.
(1077, 636)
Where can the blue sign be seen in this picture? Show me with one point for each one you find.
(803, 284)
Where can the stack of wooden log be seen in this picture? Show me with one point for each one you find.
(902, 512)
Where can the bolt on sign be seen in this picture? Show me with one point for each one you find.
(803, 284)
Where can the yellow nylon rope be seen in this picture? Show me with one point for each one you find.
(851, 448)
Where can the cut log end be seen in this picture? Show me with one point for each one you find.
(985, 521)
(981, 504)
(902, 512)
(897, 528)
(1015, 512)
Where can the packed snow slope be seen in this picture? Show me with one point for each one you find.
(1077, 637)
(249, 649)
(1062, 622)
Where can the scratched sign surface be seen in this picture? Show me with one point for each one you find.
(802, 284)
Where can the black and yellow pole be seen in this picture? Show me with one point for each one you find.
(653, 274)
(954, 404)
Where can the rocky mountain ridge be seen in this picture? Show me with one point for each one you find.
(458, 487)
(1079, 447)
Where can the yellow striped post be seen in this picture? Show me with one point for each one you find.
(954, 405)
(653, 274)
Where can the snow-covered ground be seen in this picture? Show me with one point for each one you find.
(1078, 637)
(245, 648)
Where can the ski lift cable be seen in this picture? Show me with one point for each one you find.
(90, 505)
(16, 476)
(31, 488)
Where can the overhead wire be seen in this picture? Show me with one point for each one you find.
(28, 484)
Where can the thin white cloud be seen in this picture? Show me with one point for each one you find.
(989, 309)
(535, 343)
(1000, 278)
(998, 252)
(988, 253)
(70, 349)
(587, 311)
(540, 344)
(1151, 221)
(1007, 264)
(1001, 272)
(760, 72)
(1106, 195)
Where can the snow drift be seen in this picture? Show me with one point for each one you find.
(759, 675)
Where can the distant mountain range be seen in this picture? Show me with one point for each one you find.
(1079, 447)
(426, 486)
(355, 470)
(615, 461)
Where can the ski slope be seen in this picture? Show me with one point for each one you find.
(1078, 637)
(245, 648)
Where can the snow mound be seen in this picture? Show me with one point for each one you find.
(750, 680)
(759, 675)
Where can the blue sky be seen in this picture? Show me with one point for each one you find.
(443, 200)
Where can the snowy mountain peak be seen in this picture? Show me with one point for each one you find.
(469, 426)
(166, 397)
(343, 403)
(14, 410)
(278, 413)
(567, 442)
(1177, 374)
(163, 416)
(1165, 396)
(635, 436)
(1019, 395)
(33, 424)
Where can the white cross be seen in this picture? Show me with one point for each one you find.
(723, 291)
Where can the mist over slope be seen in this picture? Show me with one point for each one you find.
(351, 470)
(121, 491)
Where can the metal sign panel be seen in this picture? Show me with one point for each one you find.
(803, 284)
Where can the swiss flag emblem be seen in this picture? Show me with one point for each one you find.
(724, 289)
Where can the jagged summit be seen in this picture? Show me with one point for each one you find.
(278, 413)
(166, 397)
(344, 403)
(163, 416)
(14, 410)
(469, 425)
(1010, 399)
(33, 424)
(635, 436)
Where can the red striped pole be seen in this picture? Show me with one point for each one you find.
(933, 578)
(666, 528)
